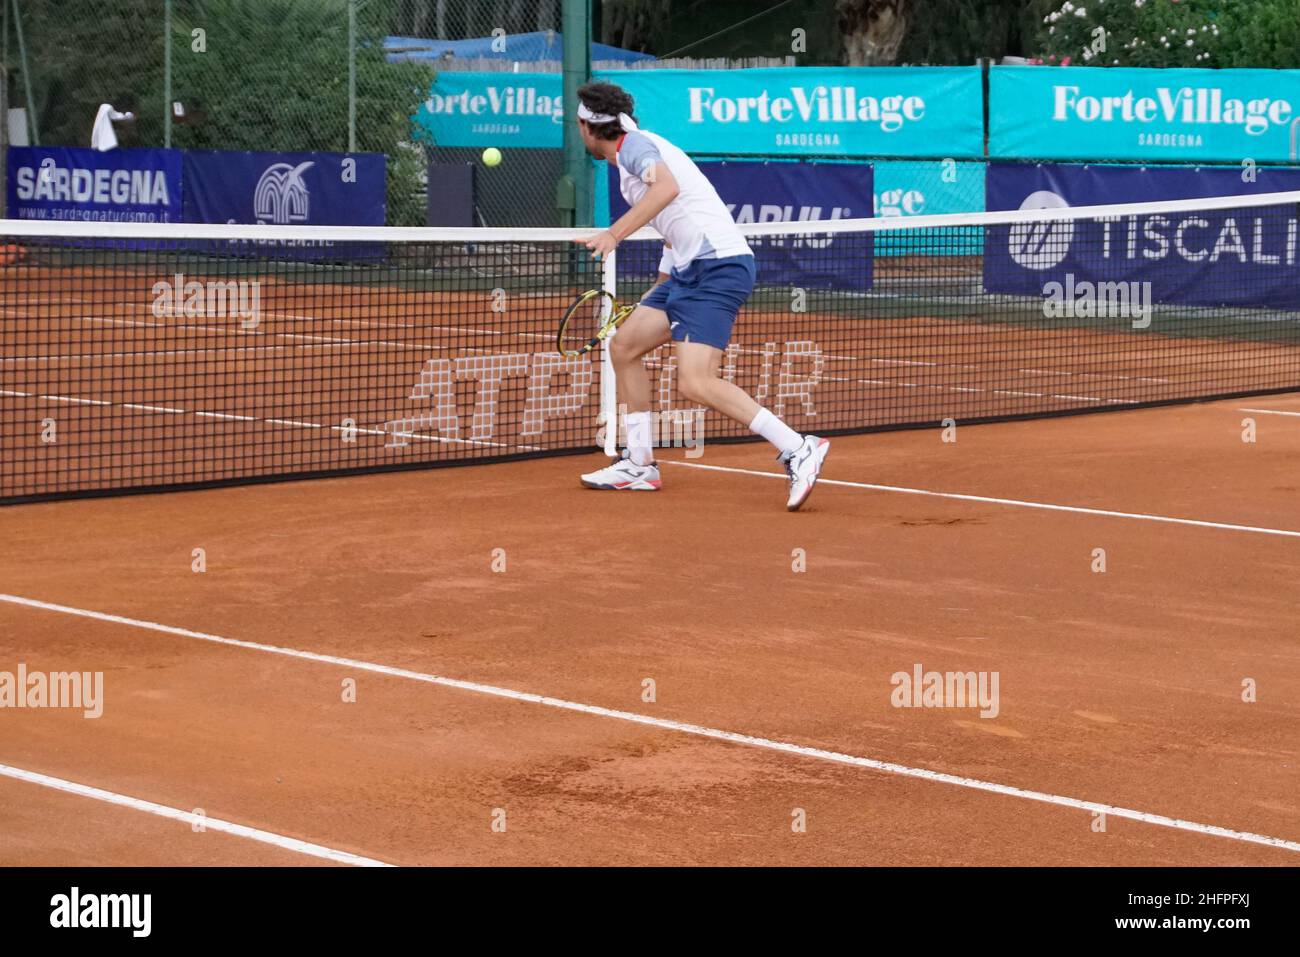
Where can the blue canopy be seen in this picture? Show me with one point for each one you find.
(525, 47)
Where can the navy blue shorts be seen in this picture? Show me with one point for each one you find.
(702, 300)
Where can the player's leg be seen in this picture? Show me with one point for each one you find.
(703, 308)
(643, 331)
(698, 367)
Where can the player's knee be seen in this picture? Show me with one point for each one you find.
(693, 386)
(622, 351)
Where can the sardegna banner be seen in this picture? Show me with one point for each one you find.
(1228, 257)
(1151, 115)
(109, 186)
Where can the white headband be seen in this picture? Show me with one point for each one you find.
(626, 122)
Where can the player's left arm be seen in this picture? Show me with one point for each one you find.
(663, 190)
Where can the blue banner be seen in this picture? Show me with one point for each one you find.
(66, 183)
(804, 111)
(1172, 115)
(1232, 257)
(780, 193)
(285, 189)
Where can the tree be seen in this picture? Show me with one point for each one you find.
(1261, 34)
(272, 75)
(1151, 33)
(109, 51)
(959, 32)
(872, 30)
(635, 24)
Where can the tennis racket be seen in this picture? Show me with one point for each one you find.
(588, 322)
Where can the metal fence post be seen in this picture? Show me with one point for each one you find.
(27, 77)
(576, 25)
(352, 76)
(167, 74)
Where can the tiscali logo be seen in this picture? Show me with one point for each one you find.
(281, 195)
(1042, 244)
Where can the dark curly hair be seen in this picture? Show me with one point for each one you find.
(607, 100)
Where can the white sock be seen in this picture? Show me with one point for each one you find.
(638, 438)
(775, 431)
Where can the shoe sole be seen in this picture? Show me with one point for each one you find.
(625, 487)
(823, 449)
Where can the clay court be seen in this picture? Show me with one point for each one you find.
(1122, 688)
(488, 664)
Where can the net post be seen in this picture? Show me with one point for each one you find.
(608, 384)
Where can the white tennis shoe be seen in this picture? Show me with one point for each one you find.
(803, 465)
(625, 475)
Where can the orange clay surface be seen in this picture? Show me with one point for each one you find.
(1122, 687)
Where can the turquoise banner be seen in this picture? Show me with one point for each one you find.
(493, 109)
(927, 188)
(813, 111)
(1114, 113)
(806, 111)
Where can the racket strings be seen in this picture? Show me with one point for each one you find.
(584, 322)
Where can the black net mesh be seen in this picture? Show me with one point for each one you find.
(148, 362)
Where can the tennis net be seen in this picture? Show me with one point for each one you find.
(156, 356)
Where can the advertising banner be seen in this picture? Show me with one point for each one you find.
(781, 193)
(1121, 113)
(67, 183)
(1232, 257)
(821, 111)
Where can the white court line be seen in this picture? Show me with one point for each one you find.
(785, 747)
(291, 423)
(895, 383)
(834, 357)
(188, 817)
(1269, 412)
(1018, 503)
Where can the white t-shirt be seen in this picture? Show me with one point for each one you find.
(696, 224)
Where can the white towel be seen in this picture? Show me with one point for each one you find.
(103, 137)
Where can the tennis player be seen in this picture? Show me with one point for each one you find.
(705, 275)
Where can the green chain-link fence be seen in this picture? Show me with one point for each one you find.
(248, 74)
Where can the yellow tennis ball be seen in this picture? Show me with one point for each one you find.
(491, 156)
